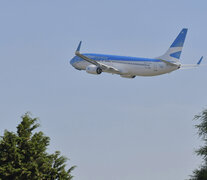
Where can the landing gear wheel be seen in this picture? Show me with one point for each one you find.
(99, 70)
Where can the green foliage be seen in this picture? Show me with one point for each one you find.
(23, 155)
(201, 173)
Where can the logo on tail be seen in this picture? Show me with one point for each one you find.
(174, 52)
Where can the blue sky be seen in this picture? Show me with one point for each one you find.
(110, 127)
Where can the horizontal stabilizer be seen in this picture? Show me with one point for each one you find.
(190, 66)
(199, 62)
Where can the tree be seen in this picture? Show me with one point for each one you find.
(23, 155)
(201, 172)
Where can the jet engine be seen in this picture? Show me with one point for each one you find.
(92, 69)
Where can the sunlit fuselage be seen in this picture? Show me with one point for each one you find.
(129, 66)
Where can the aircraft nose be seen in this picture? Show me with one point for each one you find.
(75, 62)
(72, 61)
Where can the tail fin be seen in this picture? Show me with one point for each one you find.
(174, 52)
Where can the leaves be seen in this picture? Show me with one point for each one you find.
(201, 173)
(202, 127)
(23, 154)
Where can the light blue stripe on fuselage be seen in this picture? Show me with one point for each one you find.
(105, 57)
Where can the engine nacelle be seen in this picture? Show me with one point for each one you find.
(92, 69)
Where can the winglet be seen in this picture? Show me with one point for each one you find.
(79, 46)
(199, 62)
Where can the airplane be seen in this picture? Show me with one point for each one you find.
(130, 67)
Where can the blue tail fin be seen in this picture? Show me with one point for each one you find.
(174, 52)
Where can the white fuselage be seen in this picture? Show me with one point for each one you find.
(128, 66)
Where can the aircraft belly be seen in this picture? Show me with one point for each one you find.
(133, 68)
(144, 68)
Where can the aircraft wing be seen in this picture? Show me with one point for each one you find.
(92, 61)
